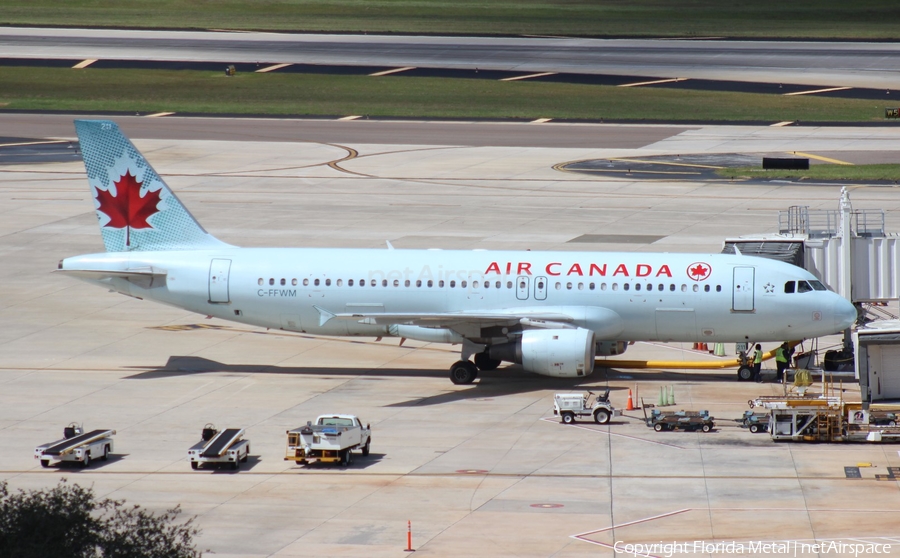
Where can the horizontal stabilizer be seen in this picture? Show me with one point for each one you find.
(145, 277)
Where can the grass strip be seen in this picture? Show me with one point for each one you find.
(822, 19)
(848, 173)
(147, 91)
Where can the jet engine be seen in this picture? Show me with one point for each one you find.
(563, 353)
(611, 348)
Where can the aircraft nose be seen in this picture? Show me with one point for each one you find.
(844, 313)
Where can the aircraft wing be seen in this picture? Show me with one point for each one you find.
(450, 319)
(145, 277)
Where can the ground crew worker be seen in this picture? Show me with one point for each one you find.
(757, 362)
(782, 360)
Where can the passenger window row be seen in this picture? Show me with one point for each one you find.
(637, 287)
(495, 285)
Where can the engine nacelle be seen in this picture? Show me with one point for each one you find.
(562, 353)
(611, 348)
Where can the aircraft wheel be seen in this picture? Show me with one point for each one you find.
(484, 362)
(744, 374)
(601, 416)
(463, 372)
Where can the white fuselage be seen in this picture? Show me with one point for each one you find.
(620, 296)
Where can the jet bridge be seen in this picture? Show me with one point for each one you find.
(848, 250)
(878, 364)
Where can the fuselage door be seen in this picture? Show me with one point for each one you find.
(218, 281)
(540, 288)
(742, 297)
(522, 287)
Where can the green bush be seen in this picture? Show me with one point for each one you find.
(67, 520)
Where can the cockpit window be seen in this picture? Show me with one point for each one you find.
(803, 287)
(789, 287)
(817, 285)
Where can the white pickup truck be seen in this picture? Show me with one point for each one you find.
(331, 439)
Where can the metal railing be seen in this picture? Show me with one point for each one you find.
(800, 219)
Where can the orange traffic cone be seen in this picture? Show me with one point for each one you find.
(630, 406)
(696, 346)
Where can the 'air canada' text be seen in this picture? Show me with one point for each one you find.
(581, 270)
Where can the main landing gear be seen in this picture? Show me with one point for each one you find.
(465, 372)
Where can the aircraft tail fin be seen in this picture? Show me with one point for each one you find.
(136, 210)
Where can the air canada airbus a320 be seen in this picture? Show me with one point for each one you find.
(551, 312)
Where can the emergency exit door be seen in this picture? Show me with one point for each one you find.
(522, 287)
(540, 288)
(742, 294)
(218, 281)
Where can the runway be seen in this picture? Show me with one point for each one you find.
(480, 470)
(390, 132)
(814, 63)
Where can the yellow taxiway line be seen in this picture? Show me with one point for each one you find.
(638, 84)
(814, 91)
(392, 71)
(820, 158)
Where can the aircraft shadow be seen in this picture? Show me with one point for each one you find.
(655, 375)
(508, 380)
(188, 365)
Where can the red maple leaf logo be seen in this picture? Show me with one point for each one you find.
(699, 271)
(127, 209)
